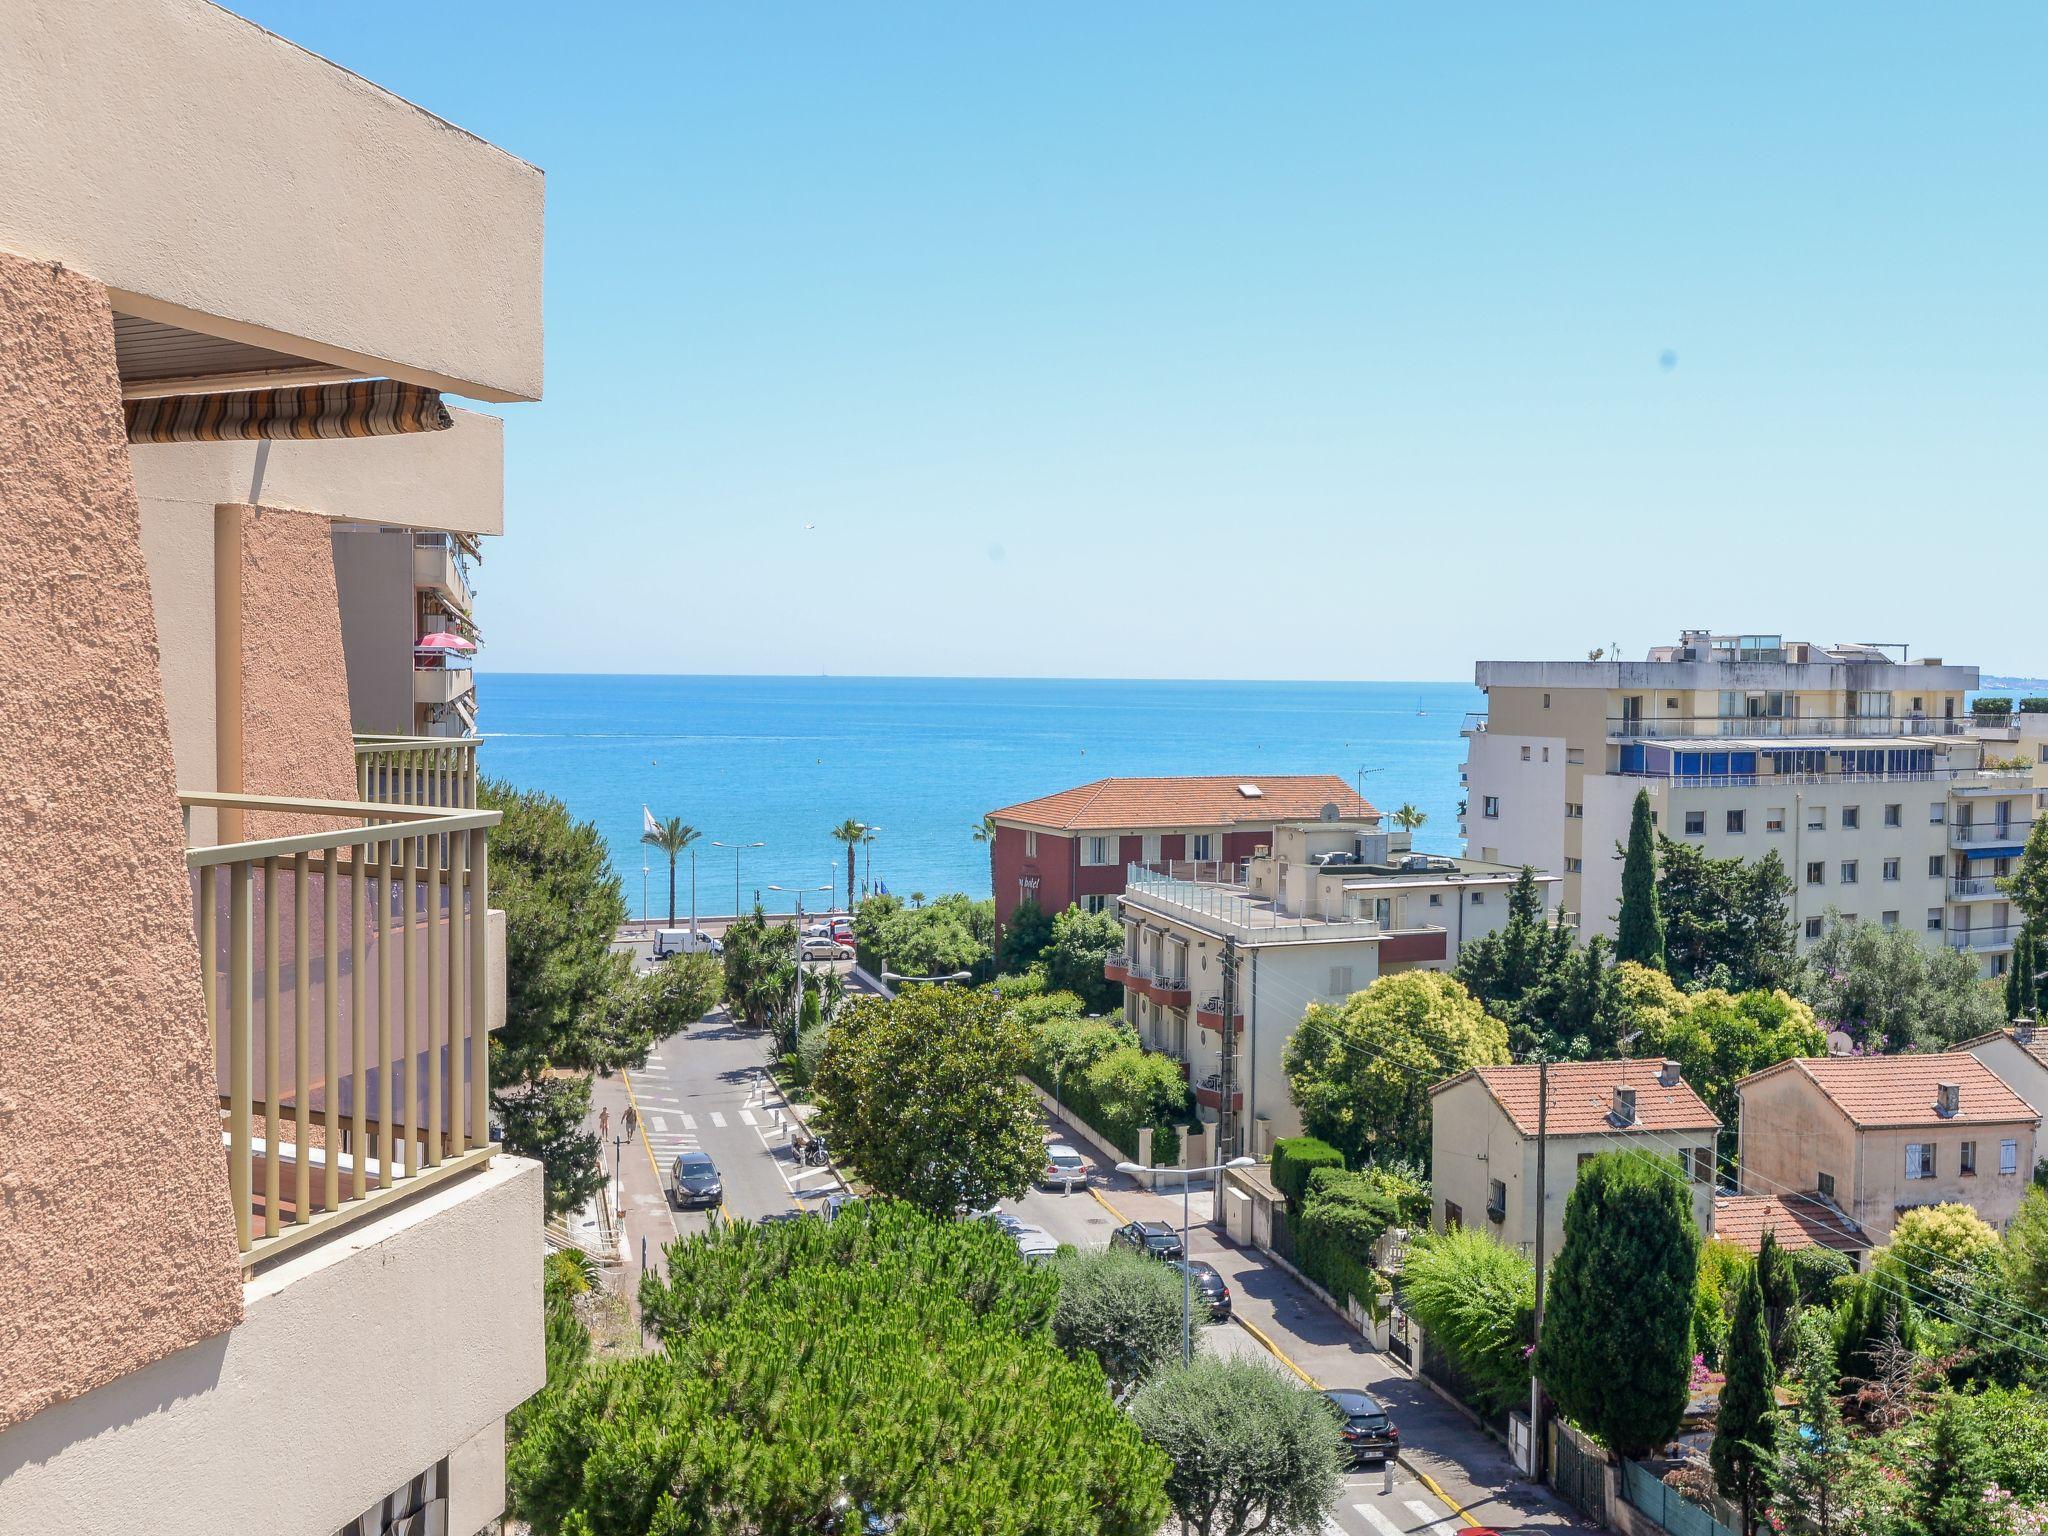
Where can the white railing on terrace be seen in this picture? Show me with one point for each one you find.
(1206, 871)
(1235, 908)
(1475, 721)
(346, 975)
(1979, 833)
(417, 770)
(1969, 887)
(1701, 727)
(1997, 936)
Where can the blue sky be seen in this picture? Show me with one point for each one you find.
(1222, 340)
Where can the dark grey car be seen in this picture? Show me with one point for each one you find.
(694, 1180)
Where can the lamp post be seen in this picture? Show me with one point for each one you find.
(799, 892)
(737, 849)
(1187, 1274)
(867, 846)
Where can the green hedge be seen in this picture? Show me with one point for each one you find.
(1084, 1045)
(1991, 706)
(1295, 1158)
(1342, 1215)
(2034, 706)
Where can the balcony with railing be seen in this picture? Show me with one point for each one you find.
(1119, 968)
(347, 969)
(417, 770)
(2010, 833)
(1209, 1093)
(1979, 940)
(1757, 727)
(1209, 1015)
(1237, 910)
(1975, 887)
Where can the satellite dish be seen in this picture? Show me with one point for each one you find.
(1330, 811)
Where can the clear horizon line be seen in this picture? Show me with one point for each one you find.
(991, 677)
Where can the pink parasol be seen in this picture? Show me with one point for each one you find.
(442, 640)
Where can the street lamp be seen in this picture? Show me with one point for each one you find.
(867, 845)
(1187, 1275)
(800, 892)
(736, 848)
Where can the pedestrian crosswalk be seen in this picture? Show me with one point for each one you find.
(1421, 1519)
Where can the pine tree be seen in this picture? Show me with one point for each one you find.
(1742, 1431)
(1812, 1483)
(1639, 934)
(1948, 1485)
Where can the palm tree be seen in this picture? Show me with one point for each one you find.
(671, 837)
(1410, 816)
(985, 832)
(850, 832)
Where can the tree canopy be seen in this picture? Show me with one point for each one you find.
(1554, 995)
(1120, 1308)
(760, 969)
(921, 1093)
(1361, 1072)
(1727, 922)
(1639, 927)
(883, 1362)
(1890, 991)
(1477, 1299)
(951, 934)
(1025, 936)
(1081, 942)
(1717, 1038)
(1743, 1450)
(1250, 1450)
(1616, 1351)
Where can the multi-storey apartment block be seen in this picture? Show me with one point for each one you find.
(1862, 770)
(408, 616)
(1074, 846)
(261, 1266)
(1220, 964)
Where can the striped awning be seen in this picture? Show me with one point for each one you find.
(362, 408)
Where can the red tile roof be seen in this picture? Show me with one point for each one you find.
(1876, 1091)
(1215, 800)
(1800, 1221)
(1582, 1098)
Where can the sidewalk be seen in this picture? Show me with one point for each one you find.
(1469, 1469)
(648, 1226)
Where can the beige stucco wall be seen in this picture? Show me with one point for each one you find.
(2021, 1071)
(453, 480)
(296, 735)
(225, 179)
(362, 1361)
(1791, 1133)
(116, 1247)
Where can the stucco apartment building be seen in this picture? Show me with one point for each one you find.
(1219, 966)
(261, 1268)
(1864, 772)
(1483, 1138)
(1876, 1136)
(1074, 846)
(408, 619)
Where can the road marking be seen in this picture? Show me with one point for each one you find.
(689, 1122)
(660, 1124)
(1436, 1488)
(747, 1117)
(1276, 1351)
(718, 1120)
(652, 1166)
(1428, 1516)
(1378, 1521)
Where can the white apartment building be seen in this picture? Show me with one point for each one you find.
(1321, 913)
(1863, 770)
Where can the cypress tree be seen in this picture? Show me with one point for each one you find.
(2021, 988)
(1639, 934)
(1780, 1291)
(1742, 1447)
(1616, 1351)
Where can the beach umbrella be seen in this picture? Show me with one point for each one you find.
(442, 640)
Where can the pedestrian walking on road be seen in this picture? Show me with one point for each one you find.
(632, 1119)
(604, 1122)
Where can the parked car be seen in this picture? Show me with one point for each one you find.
(1034, 1243)
(819, 946)
(1154, 1239)
(693, 1180)
(1209, 1287)
(774, 1218)
(1369, 1434)
(842, 930)
(1062, 1165)
(683, 941)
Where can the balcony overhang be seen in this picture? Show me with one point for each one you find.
(258, 214)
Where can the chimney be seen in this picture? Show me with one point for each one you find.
(1667, 1073)
(2023, 1031)
(1624, 1105)
(1948, 1099)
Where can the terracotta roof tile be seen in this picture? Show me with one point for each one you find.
(1800, 1221)
(1215, 800)
(1582, 1098)
(1900, 1090)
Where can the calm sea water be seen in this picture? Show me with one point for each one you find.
(782, 760)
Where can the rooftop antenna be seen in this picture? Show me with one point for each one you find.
(1363, 773)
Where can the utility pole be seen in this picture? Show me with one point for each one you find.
(1226, 1114)
(1542, 1220)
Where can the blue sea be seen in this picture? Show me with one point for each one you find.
(783, 760)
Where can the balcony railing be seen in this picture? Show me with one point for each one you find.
(346, 972)
(1691, 727)
(1974, 887)
(1473, 722)
(417, 770)
(1997, 936)
(1988, 834)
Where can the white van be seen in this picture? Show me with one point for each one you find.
(684, 941)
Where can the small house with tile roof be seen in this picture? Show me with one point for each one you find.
(1880, 1135)
(1483, 1136)
(1797, 1221)
(1075, 846)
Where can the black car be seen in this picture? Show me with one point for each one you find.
(694, 1180)
(1369, 1435)
(1209, 1288)
(1154, 1239)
